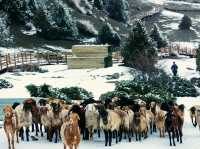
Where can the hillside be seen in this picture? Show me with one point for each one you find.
(35, 24)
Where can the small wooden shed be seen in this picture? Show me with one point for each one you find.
(87, 56)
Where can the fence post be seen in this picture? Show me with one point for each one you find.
(6, 62)
(15, 61)
(65, 61)
(48, 58)
(57, 58)
(0, 62)
(25, 56)
(22, 60)
(38, 59)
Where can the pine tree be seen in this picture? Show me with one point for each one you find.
(54, 21)
(186, 23)
(118, 10)
(158, 38)
(6, 38)
(98, 4)
(108, 36)
(139, 51)
(198, 59)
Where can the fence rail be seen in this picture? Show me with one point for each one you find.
(12, 61)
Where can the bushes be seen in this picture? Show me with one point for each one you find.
(54, 21)
(157, 37)
(157, 87)
(139, 51)
(186, 23)
(33, 68)
(112, 94)
(108, 61)
(71, 93)
(108, 36)
(118, 10)
(181, 87)
(5, 84)
(75, 93)
(198, 59)
(33, 90)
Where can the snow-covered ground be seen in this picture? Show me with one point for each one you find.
(93, 80)
(186, 67)
(181, 6)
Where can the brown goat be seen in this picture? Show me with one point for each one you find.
(70, 132)
(10, 125)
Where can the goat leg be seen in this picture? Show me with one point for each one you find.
(17, 135)
(56, 133)
(13, 139)
(110, 137)
(173, 138)
(41, 130)
(180, 134)
(21, 133)
(37, 129)
(177, 135)
(116, 135)
(169, 134)
(129, 135)
(8, 137)
(99, 133)
(33, 127)
(27, 134)
(106, 137)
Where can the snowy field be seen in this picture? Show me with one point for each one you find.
(95, 81)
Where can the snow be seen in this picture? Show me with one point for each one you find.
(93, 80)
(186, 67)
(191, 137)
(180, 6)
(171, 14)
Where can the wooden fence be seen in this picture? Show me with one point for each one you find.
(180, 49)
(14, 60)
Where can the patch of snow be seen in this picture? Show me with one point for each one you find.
(93, 80)
(181, 6)
(171, 14)
(186, 67)
(170, 26)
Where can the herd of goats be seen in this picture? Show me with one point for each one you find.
(116, 119)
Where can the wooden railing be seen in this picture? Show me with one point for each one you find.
(12, 61)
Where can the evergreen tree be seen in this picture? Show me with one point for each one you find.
(6, 38)
(98, 4)
(198, 59)
(108, 36)
(118, 10)
(157, 37)
(139, 51)
(186, 23)
(54, 21)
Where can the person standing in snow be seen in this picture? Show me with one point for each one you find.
(174, 69)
